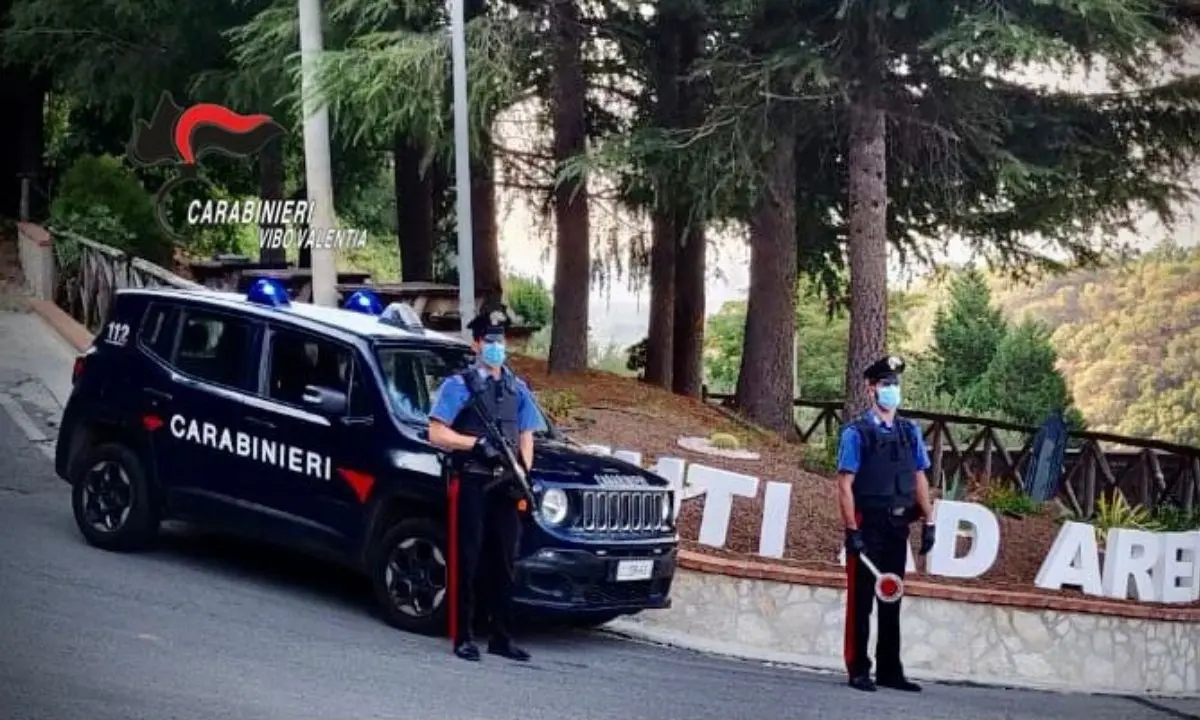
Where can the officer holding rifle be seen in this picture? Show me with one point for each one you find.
(484, 490)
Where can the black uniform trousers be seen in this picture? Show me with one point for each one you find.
(488, 532)
(886, 537)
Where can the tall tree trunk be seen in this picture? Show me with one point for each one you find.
(572, 266)
(764, 385)
(660, 334)
(271, 174)
(484, 231)
(687, 376)
(414, 211)
(688, 367)
(868, 244)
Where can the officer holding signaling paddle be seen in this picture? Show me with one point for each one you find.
(484, 520)
(882, 489)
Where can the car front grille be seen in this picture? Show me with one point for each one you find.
(621, 511)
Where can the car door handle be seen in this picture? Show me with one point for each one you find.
(158, 394)
(261, 423)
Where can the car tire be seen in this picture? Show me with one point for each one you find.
(400, 604)
(136, 528)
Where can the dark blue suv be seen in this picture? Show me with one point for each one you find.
(305, 426)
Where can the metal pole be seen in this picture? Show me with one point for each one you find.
(462, 166)
(316, 157)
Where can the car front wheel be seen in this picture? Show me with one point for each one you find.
(112, 500)
(410, 575)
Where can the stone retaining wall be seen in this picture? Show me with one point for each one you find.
(36, 254)
(943, 639)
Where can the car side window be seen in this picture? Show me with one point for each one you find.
(157, 332)
(214, 347)
(298, 359)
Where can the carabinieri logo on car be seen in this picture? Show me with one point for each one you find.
(269, 452)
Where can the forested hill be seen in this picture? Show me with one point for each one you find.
(1127, 339)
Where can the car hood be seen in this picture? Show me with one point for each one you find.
(561, 463)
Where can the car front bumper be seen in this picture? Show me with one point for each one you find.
(579, 580)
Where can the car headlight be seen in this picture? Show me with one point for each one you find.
(668, 507)
(554, 506)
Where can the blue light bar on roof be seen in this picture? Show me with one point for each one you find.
(269, 292)
(403, 316)
(363, 301)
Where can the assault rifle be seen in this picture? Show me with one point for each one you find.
(507, 455)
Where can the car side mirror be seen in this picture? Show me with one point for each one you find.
(325, 400)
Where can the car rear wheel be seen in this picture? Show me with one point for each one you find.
(112, 501)
(410, 573)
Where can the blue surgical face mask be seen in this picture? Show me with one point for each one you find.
(492, 354)
(888, 397)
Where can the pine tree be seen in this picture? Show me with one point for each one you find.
(966, 334)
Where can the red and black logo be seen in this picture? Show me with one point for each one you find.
(175, 136)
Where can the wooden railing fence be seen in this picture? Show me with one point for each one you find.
(1151, 473)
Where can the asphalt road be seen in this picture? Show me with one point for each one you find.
(206, 628)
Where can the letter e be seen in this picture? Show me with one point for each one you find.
(1175, 570)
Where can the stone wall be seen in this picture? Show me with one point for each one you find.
(942, 639)
(37, 260)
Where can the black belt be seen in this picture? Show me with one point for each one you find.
(889, 510)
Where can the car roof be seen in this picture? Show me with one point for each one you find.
(315, 318)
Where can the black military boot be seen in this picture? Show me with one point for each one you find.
(467, 650)
(898, 682)
(505, 648)
(862, 682)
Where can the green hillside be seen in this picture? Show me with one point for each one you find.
(1127, 339)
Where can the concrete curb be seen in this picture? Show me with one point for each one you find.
(639, 632)
(76, 335)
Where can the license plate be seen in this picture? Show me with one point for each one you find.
(628, 570)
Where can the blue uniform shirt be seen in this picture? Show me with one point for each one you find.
(850, 448)
(453, 396)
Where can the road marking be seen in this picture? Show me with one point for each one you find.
(27, 425)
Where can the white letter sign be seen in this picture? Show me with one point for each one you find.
(1073, 560)
(1175, 571)
(777, 506)
(719, 486)
(950, 517)
(1131, 555)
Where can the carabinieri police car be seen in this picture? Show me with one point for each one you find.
(306, 426)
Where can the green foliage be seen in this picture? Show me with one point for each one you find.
(1008, 500)
(558, 404)
(724, 441)
(1021, 382)
(635, 356)
(1115, 512)
(824, 340)
(966, 333)
(1170, 518)
(529, 299)
(100, 195)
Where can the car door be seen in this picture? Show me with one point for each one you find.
(330, 469)
(204, 447)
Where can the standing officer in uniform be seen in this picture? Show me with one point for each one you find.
(881, 487)
(488, 521)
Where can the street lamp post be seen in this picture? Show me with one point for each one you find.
(462, 165)
(316, 155)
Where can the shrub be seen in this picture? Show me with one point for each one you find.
(1008, 500)
(1171, 518)
(529, 300)
(635, 356)
(102, 200)
(1116, 512)
(724, 441)
(558, 404)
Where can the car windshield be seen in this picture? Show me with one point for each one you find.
(413, 376)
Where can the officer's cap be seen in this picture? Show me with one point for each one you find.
(885, 368)
(490, 323)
